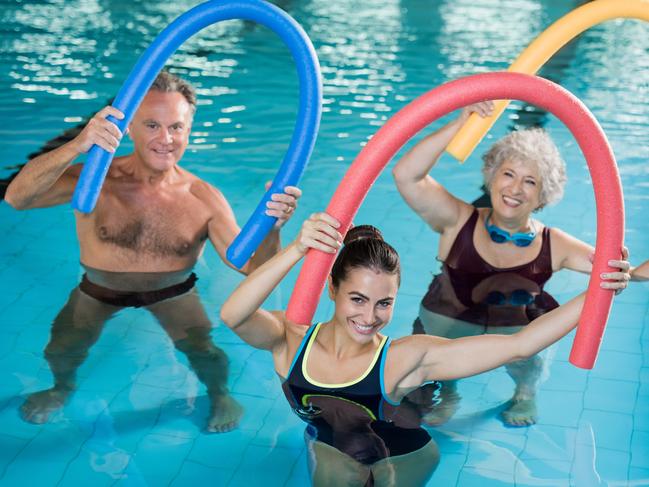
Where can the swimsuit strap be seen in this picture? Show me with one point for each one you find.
(384, 355)
(350, 383)
(300, 351)
(464, 239)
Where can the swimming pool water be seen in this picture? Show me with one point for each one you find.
(138, 413)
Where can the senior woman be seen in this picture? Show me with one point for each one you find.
(485, 247)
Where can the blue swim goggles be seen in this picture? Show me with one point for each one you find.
(499, 235)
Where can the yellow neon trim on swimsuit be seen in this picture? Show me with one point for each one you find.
(306, 402)
(345, 384)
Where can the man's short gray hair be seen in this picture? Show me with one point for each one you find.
(530, 146)
(170, 83)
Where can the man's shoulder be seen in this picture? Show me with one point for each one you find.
(117, 170)
(186, 176)
(204, 191)
(198, 185)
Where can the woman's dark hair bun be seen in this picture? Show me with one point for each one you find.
(362, 231)
(365, 248)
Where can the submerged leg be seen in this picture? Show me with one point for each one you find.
(522, 409)
(329, 466)
(211, 366)
(185, 321)
(411, 469)
(75, 329)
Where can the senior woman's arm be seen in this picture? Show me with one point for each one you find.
(424, 195)
(640, 273)
(571, 253)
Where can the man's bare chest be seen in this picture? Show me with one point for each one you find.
(160, 228)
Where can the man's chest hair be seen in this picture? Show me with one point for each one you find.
(152, 231)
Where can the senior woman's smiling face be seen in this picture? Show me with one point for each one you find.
(515, 189)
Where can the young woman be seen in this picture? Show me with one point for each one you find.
(348, 354)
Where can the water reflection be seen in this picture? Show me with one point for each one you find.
(356, 439)
(459, 305)
(178, 310)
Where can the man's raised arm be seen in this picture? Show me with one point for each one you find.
(48, 179)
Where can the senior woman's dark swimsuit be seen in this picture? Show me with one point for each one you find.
(466, 269)
(356, 418)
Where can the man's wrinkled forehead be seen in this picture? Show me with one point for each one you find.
(162, 106)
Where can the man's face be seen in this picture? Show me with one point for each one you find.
(160, 129)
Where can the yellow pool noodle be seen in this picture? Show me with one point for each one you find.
(538, 52)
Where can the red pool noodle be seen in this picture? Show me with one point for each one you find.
(449, 97)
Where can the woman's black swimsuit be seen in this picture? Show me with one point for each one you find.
(356, 417)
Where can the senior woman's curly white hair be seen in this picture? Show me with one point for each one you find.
(530, 146)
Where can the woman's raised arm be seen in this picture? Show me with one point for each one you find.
(241, 311)
(419, 359)
(429, 199)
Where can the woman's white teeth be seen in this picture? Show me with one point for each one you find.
(511, 201)
(362, 327)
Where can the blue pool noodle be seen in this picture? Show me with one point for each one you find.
(153, 60)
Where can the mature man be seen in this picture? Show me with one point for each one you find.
(139, 245)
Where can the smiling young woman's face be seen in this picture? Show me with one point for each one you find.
(364, 302)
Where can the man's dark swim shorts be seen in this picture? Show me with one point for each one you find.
(135, 299)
